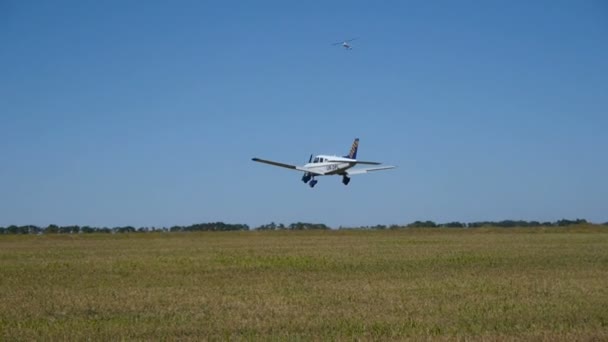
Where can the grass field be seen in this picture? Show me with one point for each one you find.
(547, 284)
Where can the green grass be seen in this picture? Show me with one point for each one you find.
(547, 284)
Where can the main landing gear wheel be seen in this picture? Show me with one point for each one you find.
(313, 183)
(345, 180)
(306, 177)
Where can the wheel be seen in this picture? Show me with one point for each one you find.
(306, 177)
(313, 183)
(345, 180)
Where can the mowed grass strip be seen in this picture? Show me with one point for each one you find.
(548, 284)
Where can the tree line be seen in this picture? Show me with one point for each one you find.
(54, 229)
(221, 226)
(293, 226)
(480, 224)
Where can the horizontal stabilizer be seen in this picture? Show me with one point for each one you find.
(367, 163)
(351, 161)
(362, 171)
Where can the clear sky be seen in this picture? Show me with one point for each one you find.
(148, 113)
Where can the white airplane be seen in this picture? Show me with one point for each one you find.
(324, 165)
(345, 43)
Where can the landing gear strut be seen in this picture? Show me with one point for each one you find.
(307, 176)
(345, 180)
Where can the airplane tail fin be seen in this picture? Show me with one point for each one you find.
(353, 150)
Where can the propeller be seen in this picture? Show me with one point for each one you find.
(307, 176)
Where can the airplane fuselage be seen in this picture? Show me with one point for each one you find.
(337, 166)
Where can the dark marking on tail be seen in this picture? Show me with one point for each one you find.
(353, 150)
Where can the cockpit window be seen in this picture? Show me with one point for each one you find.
(316, 160)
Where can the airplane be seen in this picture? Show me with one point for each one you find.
(345, 43)
(325, 165)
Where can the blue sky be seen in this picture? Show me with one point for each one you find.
(148, 113)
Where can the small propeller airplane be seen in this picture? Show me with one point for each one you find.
(345, 44)
(324, 165)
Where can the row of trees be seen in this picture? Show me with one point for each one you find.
(212, 227)
(293, 226)
(479, 224)
(221, 226)
(198, 227)
(54, 229)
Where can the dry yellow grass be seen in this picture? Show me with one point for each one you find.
(547, 284)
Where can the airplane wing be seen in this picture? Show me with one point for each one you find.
(287, 166)
(352, 172)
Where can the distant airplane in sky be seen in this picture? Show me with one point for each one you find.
(324, 165)
(345, 44)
